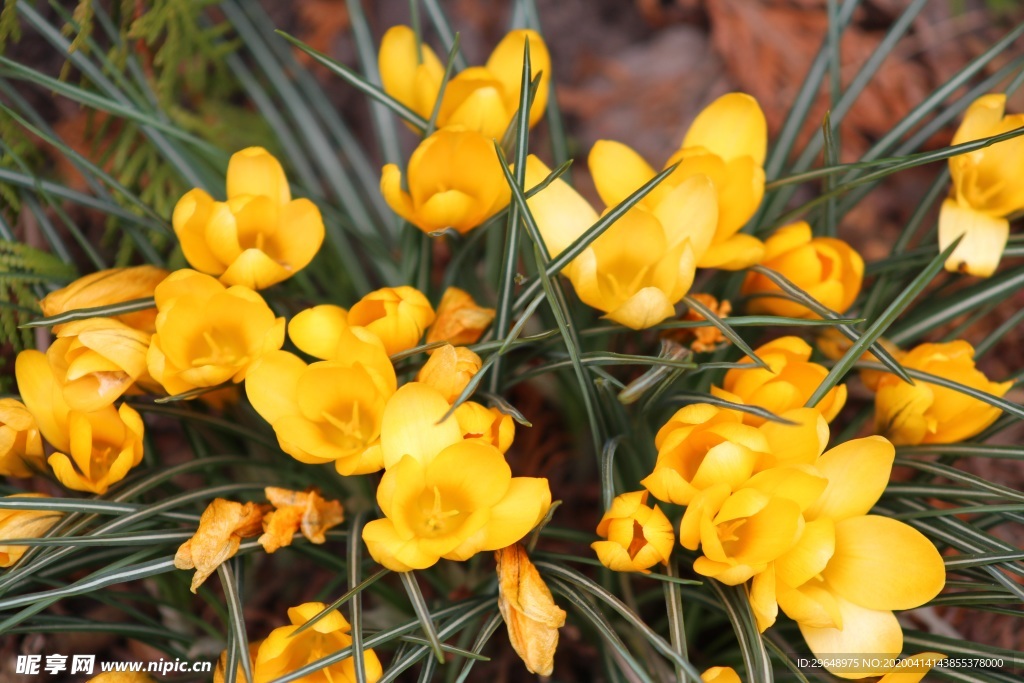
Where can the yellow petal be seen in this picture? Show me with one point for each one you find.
(647, 307)
(506, 64)
(618, 171)
(409, 79)
(763, 602)
(720, 674)
(43, 397)
(981, 117)
(562, 214)
(857, 473)
(410, 425)
(810, 555)
(982, 245)
(867, 632)
(689, 212)
(522, 508)
(732, 126)
(255, 171)
(318, 330)
(736, 253)
(190, 217)
(397, 198)
(272, 385)
(801, 443)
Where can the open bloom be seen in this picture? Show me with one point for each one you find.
(787, 383)
(529, 611)
(826, 268)
(284, 651)
(987, 187)
(21, 448)
(23, 524)
(482, 98)
(455, 181)
(638, 535)
(106, 287)
(207, 334)
(260, 235)
(304, 511)
(222, 526)
(94, 449)
(923, 412)
(644, 263)
(727, 144)
(96, 360)
(459, 319)
(397, 315)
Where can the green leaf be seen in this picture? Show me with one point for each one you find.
(737, 608)
(419, 606)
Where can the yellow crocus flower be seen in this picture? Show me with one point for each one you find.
(787, 383)
(923, 412)
(530, 613)
(284, 651)
(106, 287)
(644, 263)
(94, 449)
(987, 187)
(21, 448)
(727, 144)
(207, 334)
(826, 268)
(482, 98)
(397, 315)
(638, 535)
(454, 180)
(459, 320)
(23, 524)
(260, 236)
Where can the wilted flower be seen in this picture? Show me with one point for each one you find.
(285, 651)
(106, 287)
(639, 536)
(788, 382)
(529, 610)
(23, 524)
(987, 187)
(398, 315)
(707, 337)
(826, 268)
(923, 412)
(207, 334)
(96, 360)
(449, 369)
(260, 235)
(644, 263)
(304, 511)
(21, 448)
(482, 98)
(459, 319)
(455, 181)
(222, 526)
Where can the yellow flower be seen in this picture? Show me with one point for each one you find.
(96, 360)
(23, 524)
(449, 370)
(987, 187)
(106, 287)
(529, 610)
(726, 143)
(398, 315)
(702, 445)
(642, 265)
(459, 320)
(720, 674)
(21, 448)
(482, 98)
(222, 526)
(828, 269)
(639, 536)
(295, 511)
(927, 413)
(489, 425)
(328, 411)
(455, 181)
(787, 384)
(260, 236)
(207, 334)
(94, 449)
(284, 651)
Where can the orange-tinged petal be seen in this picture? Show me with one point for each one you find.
(530, 613)
(222, 527)
(459, 319)
(732, 126)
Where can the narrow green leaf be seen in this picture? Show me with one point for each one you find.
(231, 584)
(724, 328)
(489, 627)
(355, 544)
(107, 311)
(737, 608)
(419, 606)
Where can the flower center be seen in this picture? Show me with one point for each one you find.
(638, 542)
(727, 531)
(220, 354)
(436, 518)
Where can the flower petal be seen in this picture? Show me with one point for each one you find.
(984, 239)
(857, 473)
(732, 126)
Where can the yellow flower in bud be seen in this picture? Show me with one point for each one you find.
(482, 98)
(398, 315)
(922, 412)
(720, 674)
(222, 526)
(529, 610)
(727, 144)
(207, 334)
(826, 268)
(23, 524)
(328, 411)
(21, 448)
(489, 425)
(455, 181)
(94, 449)
(285, 651)
(96, 360)
(260, 236)
(787, 383)
(639, 536)
(833, 344)
(700, 446)
(987, 187)
(644, 263)
(303, 511)
(106, 287)
(460, 320)
(449, 370)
